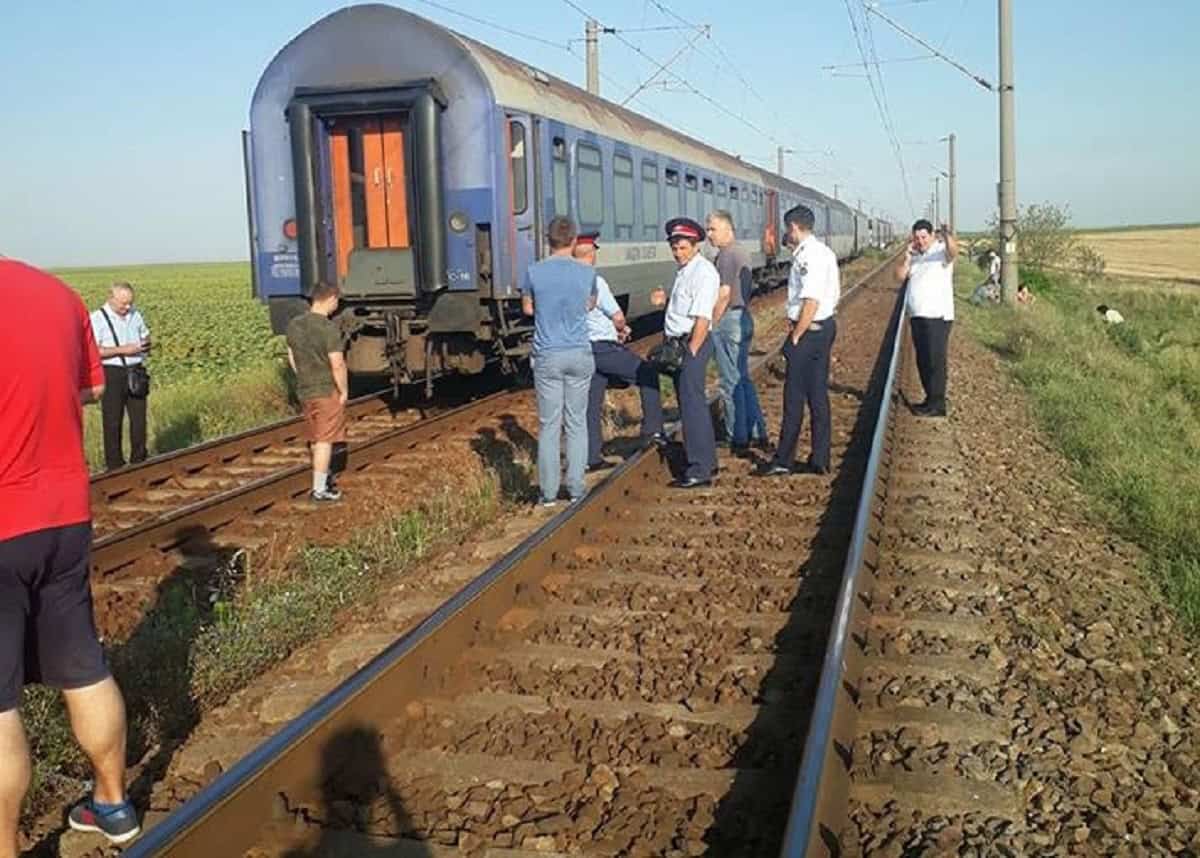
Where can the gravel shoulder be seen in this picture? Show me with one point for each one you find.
(1103, 678)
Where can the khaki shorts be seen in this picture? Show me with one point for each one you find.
(326, 419)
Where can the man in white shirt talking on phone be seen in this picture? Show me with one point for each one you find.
(928, 265)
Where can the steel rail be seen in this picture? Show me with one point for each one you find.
(202, 518)
(805, 835)
(282, 758)
(108, 486)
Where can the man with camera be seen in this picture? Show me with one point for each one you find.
(929, 268)
(124, 341)
(687, 330)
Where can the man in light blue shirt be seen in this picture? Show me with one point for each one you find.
(607, 330)
(124, 341)
(558, 292)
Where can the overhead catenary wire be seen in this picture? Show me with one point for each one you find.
(982, 81)
(494, 25)
(880, 106)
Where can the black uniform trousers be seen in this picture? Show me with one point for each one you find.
(113, 405)
(931, 341)
(699, 439)
(807, 381)
(615, 361)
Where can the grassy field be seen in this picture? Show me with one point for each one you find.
(1122, 402)
(1160, 253)
(216, 366)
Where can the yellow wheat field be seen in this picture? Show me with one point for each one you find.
(1164, 254)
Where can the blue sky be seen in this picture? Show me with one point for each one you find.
(123, 117)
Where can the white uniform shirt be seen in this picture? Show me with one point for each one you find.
(1113, 317)
(814, 275)
(694, 294)
(994, 268)
(931, 284)
(599, 318)
(131, 328)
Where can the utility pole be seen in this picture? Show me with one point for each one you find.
(937, 200)
(779, 153)
(1008, 160)
(953, 190)
(835, 196)
(591, 37)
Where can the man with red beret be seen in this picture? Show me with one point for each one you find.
(689, 319)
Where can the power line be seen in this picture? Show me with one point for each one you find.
(493, 25)
(884, 115)
(977, 78)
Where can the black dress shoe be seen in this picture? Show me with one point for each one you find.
(690, 483)
(773, 469)
(930, 411)
(602, 465)
(810, 468)
(659, 439)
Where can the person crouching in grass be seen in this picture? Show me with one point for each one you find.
(315, 352)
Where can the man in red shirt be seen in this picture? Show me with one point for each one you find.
(47, 632)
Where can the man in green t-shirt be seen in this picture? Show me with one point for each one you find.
(314, 346)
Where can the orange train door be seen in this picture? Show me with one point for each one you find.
(370, 203)
(770, 239)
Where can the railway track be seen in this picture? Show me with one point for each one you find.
(635, 678)
(180, 504)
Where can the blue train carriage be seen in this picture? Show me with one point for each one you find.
(417, 168)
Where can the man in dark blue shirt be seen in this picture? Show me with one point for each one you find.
(558, 292)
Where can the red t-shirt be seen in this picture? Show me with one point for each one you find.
(47, 355)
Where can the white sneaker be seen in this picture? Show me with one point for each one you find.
(326, 496)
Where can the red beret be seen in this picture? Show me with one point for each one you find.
(684, 227)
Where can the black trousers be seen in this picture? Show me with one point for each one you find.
(807, 382)
(931, 341)
(113, 405)
(699, 439)
(615, 361)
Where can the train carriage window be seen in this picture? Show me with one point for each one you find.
(588, 162)
(623, 195)
(691, 197)
(650, 219)
(721, 189)
(516, 161)
(562, 201)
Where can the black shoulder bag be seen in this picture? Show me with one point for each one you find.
(669, 354)
(137, 377)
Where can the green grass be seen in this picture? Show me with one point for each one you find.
(216, 366)
(1121, 402)
(1141, 227)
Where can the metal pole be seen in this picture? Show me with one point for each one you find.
(835, 196)
(937, 200)
(591, 36)
(1008, 160)
(953, 191)
(779, 153)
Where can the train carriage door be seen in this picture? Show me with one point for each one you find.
(770, 237)
(370, 191)
(522, 196)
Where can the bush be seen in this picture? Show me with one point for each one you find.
(1045, 240)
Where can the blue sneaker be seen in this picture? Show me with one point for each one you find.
(117, 822)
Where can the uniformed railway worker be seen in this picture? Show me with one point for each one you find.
(814, 287)
(688, 320)
(929, 268)
(607, 330)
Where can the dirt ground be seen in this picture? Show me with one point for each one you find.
(1168, 254)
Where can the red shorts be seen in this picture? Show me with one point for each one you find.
(326, 419)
